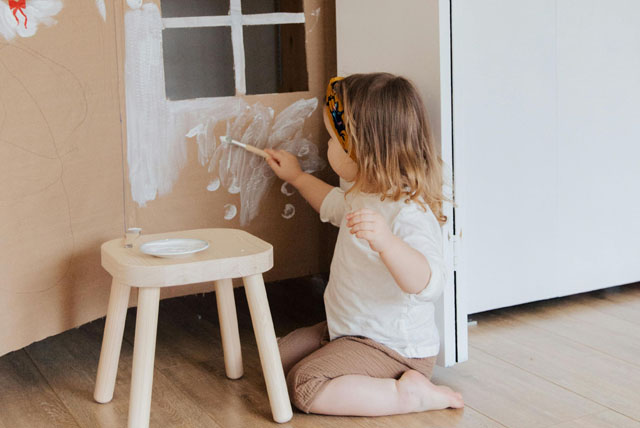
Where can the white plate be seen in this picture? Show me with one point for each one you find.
(175, 247)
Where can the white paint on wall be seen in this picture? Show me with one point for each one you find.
(134, 4)
(230, 211)
(316, 15)
(285, 189)
(258, 127)
(214, 185)
(24, 22)
(237, 42)
(102, 9)
(226, 20)
(289, 211)
(158, 129)
(234, 188)
(154, 158)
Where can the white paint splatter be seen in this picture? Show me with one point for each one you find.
(26, 20)
(289, 211)
(196, 130)
(285, 189)
(214, 185)
(304, 150)
(134, 4)
(316, 15)
(234, 188)
(102, 9)
(230, 211)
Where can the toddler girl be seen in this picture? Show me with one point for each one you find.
(375, 353)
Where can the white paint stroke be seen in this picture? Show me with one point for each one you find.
(273, 18)
(36, 11)
(258, 127)
(134, 4)
(237, 42)
(208, 118)
(197, 21)
(196, 130)
(154, 158)
(304, 151)
(226, 20)
(230, 211)
(289, 211)
(285, 189)
(214, 185)
(234, 188)
(102, 9)
(316, 15)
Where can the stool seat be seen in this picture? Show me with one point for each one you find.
(232, 253)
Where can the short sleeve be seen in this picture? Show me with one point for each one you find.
(333, 207)
(421, 231)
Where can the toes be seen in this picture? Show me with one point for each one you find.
(456, 401)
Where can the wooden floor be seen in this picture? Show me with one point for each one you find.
(565, 363)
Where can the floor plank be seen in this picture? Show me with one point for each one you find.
(243, 402)
(608, 419)
(27, 400)
(69, 361)
(564, 363)
(579, 319)
(622, 302)
(599, 377)
(512, 396)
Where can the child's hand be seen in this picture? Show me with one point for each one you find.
(371, 226)
(284, 164)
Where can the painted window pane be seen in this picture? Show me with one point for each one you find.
(179, 8)
(198, 62)
(275, 58)
(271, 6)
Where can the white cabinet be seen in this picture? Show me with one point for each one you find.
(546, 101)
(537, 107)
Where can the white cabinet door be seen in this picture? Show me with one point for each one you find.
(546, 100)
(411, 38)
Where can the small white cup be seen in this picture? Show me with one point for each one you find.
(131, 235)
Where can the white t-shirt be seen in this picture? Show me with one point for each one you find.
(362, 298)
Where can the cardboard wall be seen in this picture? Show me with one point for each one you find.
(64, 174)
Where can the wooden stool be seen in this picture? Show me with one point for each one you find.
(231, 254)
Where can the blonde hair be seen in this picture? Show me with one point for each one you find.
(389, 131)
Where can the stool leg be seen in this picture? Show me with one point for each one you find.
(268, 348)
(144, 349)
(111, 342)
(229, 328)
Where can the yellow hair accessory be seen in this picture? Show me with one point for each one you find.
(335, 109)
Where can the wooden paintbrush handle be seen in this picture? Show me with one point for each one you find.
(257, 151)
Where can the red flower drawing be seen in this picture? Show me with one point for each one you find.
(18, 6)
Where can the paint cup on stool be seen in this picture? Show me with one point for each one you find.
(131, 235)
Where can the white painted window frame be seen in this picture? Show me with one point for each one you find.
(236, 20)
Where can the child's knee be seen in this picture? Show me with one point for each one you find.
(304, 381)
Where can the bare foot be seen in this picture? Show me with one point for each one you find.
(422, 395)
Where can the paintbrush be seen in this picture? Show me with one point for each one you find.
(247, 147)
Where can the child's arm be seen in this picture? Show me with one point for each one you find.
(286, 166)
(408, 266)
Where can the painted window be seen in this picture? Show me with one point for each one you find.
(217, 48)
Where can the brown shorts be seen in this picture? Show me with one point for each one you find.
(348, 355)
